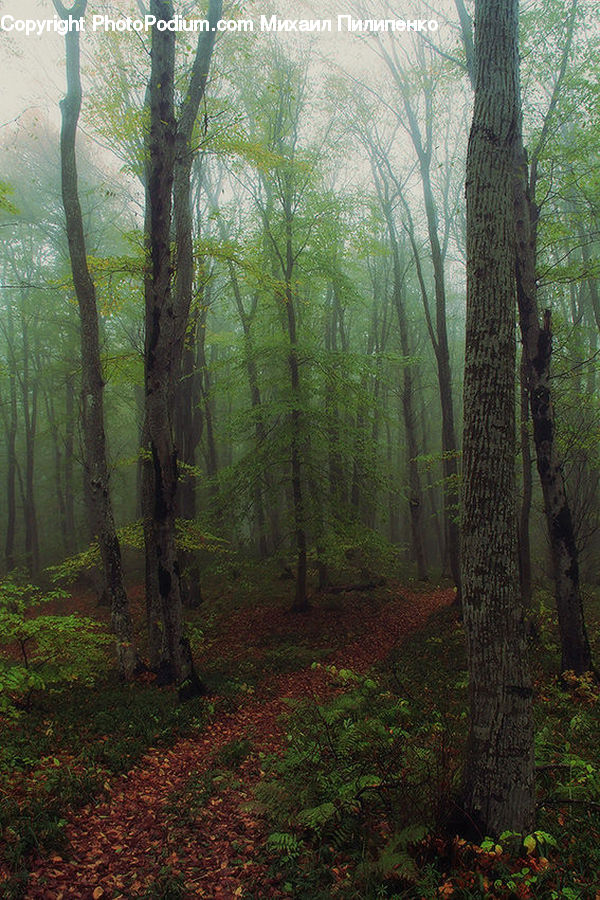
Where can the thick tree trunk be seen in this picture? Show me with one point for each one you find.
(537, 349)
(184, 383)
(169, 161)
(162, 335)
(95, 465)
(498, 779)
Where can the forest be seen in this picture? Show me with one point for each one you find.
(299, 454)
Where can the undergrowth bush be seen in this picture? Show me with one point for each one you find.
(361, 777)
(191, 537)
(43, 651)
(355, 547)
(63, 752)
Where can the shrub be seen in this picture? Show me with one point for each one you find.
(43, 650)
(358, 778)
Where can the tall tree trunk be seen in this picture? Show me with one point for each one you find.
(155, 631)
(92, 388)
(187, 420)
(394, 519)
(185, 154)
(362, 439)
(206, 399)
(498, 779)
(161, 338)
(591, 281)
(438, 330)
(169, 161)
(432, 495)
(537, 349)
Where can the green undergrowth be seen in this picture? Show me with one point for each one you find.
(60, 755)
(60, 748)
(361, 804)
(237, 676)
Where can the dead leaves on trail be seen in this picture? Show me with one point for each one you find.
(181, 818)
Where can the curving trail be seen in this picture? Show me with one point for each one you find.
(119, 844)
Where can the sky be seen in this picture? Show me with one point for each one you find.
(32, 71)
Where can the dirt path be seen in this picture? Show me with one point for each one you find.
(119, 845)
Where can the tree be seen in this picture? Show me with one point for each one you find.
(537, 354)
(169, 158)
(536, 389)
(415, 496)
(498, 781)
(423, 143)
(95, 464)
(280, 197)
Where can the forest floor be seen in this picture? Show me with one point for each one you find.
(123, 792)
(143, 831)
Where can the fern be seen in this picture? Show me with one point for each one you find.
(319, 816)
(284, 843)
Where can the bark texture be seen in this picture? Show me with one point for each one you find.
(161, 339)
(170, 155)
(498, 785)
(537, 352)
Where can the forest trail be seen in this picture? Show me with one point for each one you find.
(145, 829)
